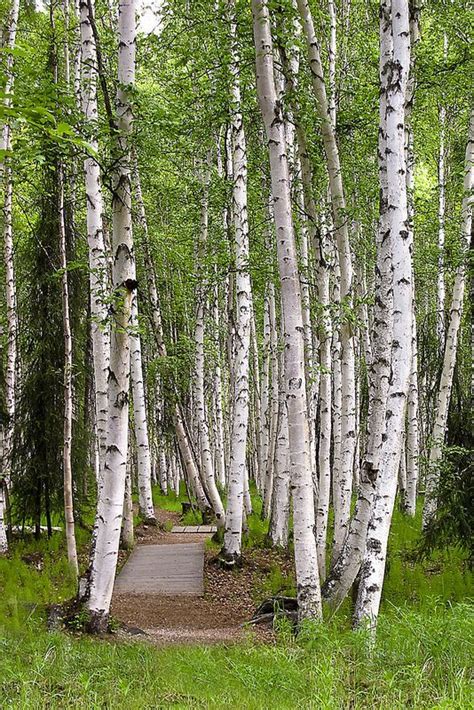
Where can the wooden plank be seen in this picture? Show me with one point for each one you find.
(163, 569)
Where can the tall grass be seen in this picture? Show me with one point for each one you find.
(422, 657)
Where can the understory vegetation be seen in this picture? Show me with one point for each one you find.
(422, 657)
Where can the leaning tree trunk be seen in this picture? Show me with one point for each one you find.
(373, 566)
(10, 282)
(107, 528)
(238, 446)
(98, 279)
(452, 336)
(345, 568)
(342, 483)
(309, 597)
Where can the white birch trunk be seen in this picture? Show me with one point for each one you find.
(108, 524)
(208, 478)
(280, 513)
(67, 424)
(440, 285)
(127, 525)
(344, 570)
(452, 336)
(145, 495)
(342, 477)
(100, 329)
(309, 598)
(325, 403)
(373, 566)
(232, 548)
(10, 282)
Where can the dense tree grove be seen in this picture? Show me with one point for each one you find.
(236, 257)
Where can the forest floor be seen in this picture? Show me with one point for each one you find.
(220, 615)
(422, 658)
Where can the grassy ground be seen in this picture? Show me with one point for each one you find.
(422, 657)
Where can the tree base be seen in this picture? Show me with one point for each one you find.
(228, 560)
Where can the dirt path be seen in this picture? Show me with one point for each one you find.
(170, 589)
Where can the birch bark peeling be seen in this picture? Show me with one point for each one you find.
(309, 598)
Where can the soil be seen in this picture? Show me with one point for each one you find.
(229, 601)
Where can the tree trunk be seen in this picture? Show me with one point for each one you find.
(373, 566)
(346, 567)
(309, 598)
(237, 471)
(342, 481)
(100, 329)
(108, 523)
(10, 281)
(145, 495)
(67, 430)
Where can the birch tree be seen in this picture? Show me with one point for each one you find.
(342, 483)
(373, 566)
(107, 528)
(95, 234)
(237, 471)
(309, 599)
(10, 282)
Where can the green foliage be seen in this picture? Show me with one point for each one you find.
(453, 524)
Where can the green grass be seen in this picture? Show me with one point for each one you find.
(422, 657)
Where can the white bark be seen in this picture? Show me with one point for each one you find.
(280, 513)
(440, 286)
(272, 404)
(111, 495)
(219, 443)
(100, 329)
(373, 566)
(10, 282)
(208, 479)
(342, 481)
(145, 495)
(67, 424)
(309, 598)
(412, 442)
(345, 568)
(237, 470)
(127, 525)
(452, 336)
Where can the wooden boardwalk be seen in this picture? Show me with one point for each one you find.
(163, 569)
(195, 529)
